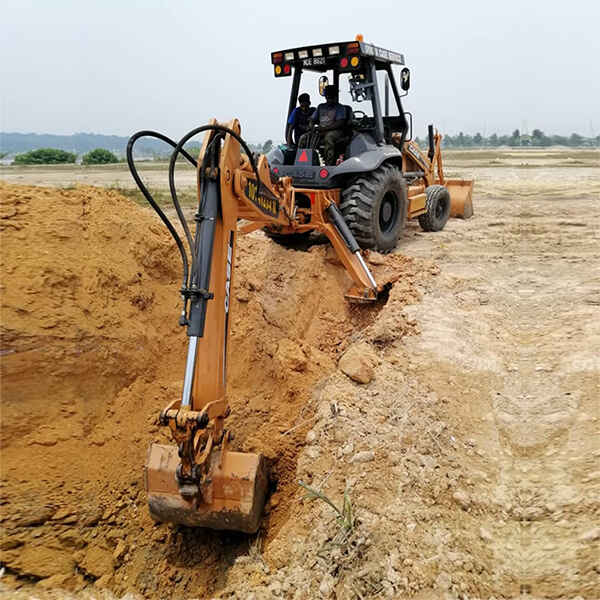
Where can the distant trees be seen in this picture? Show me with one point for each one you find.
(575, 139)
(267, 146)
(537, 138)
(99, 156)
(45, 156)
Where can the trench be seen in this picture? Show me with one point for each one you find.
(85, 379)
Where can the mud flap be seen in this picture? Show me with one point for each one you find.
(461, 197)
(233, 497)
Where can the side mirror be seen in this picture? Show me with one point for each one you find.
(323, 83)
(405, 79)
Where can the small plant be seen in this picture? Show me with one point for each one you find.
(255, 553)
(344, 516)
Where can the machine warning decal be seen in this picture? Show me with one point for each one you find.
(267, 204)
(415, 154)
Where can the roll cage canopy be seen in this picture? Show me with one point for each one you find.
(337, 56)
(361, 61)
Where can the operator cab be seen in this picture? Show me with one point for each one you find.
(362, 73)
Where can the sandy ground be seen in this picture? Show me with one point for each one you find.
(470, 458)
(515, 316)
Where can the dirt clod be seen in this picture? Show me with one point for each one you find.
(358, 363)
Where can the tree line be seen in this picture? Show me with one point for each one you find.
(55, 156)
(516, 139)
(101, 156)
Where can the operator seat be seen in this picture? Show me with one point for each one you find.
(341, 146)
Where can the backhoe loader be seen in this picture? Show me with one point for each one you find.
(200, 480)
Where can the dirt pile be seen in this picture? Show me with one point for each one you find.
(92, 352)
(85, 299)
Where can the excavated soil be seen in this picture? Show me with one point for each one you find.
(469, 455)
(92, 352)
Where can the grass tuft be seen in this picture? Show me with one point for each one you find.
(345, 516)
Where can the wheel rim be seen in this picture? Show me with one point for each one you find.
(440, 209)
(388, 212)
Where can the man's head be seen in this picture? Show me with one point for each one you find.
(304, 101)
(331, 94)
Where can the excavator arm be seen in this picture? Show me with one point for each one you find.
(200, 481)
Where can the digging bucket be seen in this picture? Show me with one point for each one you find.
(461, 197)
(233, 497)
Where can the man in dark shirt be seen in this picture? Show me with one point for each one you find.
(299, 120)
(331, 117)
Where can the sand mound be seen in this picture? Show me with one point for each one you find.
(92, 352)
(86, 303)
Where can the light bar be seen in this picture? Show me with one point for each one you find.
(289, 56)
(333, 50)
(317, 52)
(302, 53)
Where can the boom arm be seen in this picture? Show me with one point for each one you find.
(190, 484)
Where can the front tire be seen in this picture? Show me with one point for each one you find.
(438, 208)
(374, 207)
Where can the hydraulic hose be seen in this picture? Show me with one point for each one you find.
(179, 148)
(132, 140)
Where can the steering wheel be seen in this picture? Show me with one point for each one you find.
(359, 117)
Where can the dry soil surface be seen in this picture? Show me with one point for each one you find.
(469, 456)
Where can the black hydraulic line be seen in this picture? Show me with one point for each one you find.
(179, 148)
(342, 227)
(431, 152)
(206, 222)
(196, 131)
(340, 224)
(148, 196)
(196, 290)
(207, 209)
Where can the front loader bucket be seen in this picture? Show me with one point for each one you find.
(461, 201)
(233, 499)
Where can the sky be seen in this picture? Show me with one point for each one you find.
(117, 66)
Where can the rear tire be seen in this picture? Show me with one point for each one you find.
(374, 207)
(438, 208)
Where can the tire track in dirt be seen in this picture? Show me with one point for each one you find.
(517, 311)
